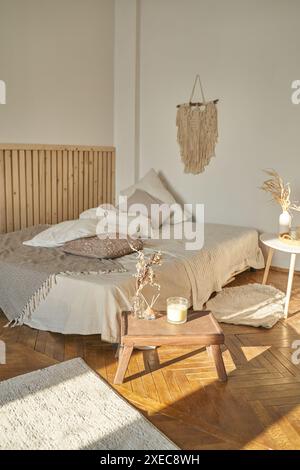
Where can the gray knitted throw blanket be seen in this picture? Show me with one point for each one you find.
(27, 274)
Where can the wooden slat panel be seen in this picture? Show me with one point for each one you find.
(35, 182)
(81, 181)
(29, 187)
(91, 179)
(95, 182)
(108, 178)
(54, 189)
(70, 185)
(113, 178)
(2, 194)
(23, 196)
(9, 192)
(16, 189)
(59, 186)
(100, 183)
(86, 181)
(104, 173)
(99, 148)
(48, 188)
(65, 185)
(48, 184)
(42, 186)
(76, 183)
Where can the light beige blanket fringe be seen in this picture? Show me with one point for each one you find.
(197, 135)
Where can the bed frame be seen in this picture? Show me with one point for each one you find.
(47, 184)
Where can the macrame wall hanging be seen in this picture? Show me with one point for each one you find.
(197, 134)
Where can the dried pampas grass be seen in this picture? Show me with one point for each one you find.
(280, 191)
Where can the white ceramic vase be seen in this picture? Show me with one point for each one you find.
(285, 222)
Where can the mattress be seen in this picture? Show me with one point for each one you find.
(92, 304)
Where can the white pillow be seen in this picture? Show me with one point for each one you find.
(125, 224)
(97, 212)
(59, 234)
(152, 184)
(89, 214)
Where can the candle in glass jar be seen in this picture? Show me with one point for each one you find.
(177, 310)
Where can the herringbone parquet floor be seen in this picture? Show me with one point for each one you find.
(176, 388)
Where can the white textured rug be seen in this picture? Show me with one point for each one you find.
(253, 305)
(68, 406)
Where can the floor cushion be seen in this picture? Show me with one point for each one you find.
(253, 304)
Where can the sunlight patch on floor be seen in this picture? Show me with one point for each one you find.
(251, 352)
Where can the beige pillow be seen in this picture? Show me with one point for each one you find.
(102, 248)
(141, 202)
(152, 183)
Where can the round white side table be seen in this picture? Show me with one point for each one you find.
(272, 241)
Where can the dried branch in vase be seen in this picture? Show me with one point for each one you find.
(145, 275)
(280, 191)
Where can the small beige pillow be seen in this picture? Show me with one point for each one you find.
(102, 248)
(154, 186)
(145, 204)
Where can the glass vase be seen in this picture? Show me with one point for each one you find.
(138, 307)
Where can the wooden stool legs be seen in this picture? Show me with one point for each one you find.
(215, 351)
(124, 358)
(126, 351)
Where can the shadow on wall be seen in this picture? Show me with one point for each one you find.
(170, 188)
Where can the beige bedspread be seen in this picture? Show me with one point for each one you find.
(93, 304)
(27, 274)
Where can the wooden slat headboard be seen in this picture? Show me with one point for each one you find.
(47, 184)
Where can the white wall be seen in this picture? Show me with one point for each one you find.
(56, 57)
(247, 54)
(126, 91)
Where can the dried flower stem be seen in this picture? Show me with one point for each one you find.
(145, 275)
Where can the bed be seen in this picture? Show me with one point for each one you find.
(92, 304)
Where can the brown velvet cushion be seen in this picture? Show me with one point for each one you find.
(109, 248)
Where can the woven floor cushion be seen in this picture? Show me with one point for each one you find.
(253, 305)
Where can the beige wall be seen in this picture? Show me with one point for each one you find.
(56, 57)
(247, 53)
